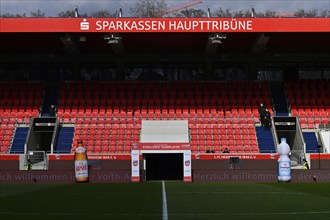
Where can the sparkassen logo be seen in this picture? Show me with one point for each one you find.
(135, 146)
(84, 25)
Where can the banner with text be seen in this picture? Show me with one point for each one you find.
(135, 164)
(187, 166)
(244, 156)
(122, 25)
(164, 146)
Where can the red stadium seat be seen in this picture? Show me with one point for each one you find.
(182, 101)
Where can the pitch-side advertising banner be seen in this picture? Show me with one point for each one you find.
(187, 166)
(135, 166)
(164, 25)
(164, 146)
(244, 156)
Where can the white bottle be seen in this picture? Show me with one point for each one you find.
(284, 162)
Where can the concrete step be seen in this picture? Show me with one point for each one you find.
(39, 166)
(297, 167)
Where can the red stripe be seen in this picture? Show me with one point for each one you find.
(92, 157)
(187, 179)
(202, 24)
(135, 179)
(322, 156)
(9, 157)
(110, 157)
(193, 157)
(241, 156)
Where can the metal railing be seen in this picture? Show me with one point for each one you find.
(38, 159)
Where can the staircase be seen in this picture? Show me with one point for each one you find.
(19, 139)
(265, 140)
(64, 140)
(311, 142)
(50, 98)
(279, 99)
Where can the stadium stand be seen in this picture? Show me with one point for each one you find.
(6, 133)
(19, 139)
(309, 99)
(64, 140)
(265, 140)
(108, 115)
(311, 142)
(19, 102)
(279, 99)
(50, 97)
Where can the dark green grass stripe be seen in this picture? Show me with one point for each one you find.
(117, 201)
(79, 214)
(254, 214)
(248, 200)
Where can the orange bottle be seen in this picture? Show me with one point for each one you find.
(80, 163)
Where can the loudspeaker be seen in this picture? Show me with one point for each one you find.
(233, 160)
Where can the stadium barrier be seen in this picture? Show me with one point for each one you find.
(116, 168)
(124, 176)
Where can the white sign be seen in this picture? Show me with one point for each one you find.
(84, 25)
(187, 166)
(81, 169)
(135, 164)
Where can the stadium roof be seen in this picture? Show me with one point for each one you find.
(165, 43)
(67, 36)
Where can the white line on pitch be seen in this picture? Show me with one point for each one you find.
(79, 214)
(165, 214)
(252, 214)
(286, 193)
(154, 214)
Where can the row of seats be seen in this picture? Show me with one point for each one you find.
(301, 112)
(77, 94)
(234, 117)
(20, 95)
(21, 117)
(132, 121)
(310, 100)
(118, 111)
(6, 133)
(173, 87)
(251, 147)
(237, 138)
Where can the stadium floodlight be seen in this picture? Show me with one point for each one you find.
(76, 14)
(112, 38)
(208, 12)
(120, 13)
(82, 38)
(216, 38)
(253, 12)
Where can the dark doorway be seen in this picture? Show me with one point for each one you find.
(164, 166)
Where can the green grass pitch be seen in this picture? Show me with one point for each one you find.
(184, 201)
